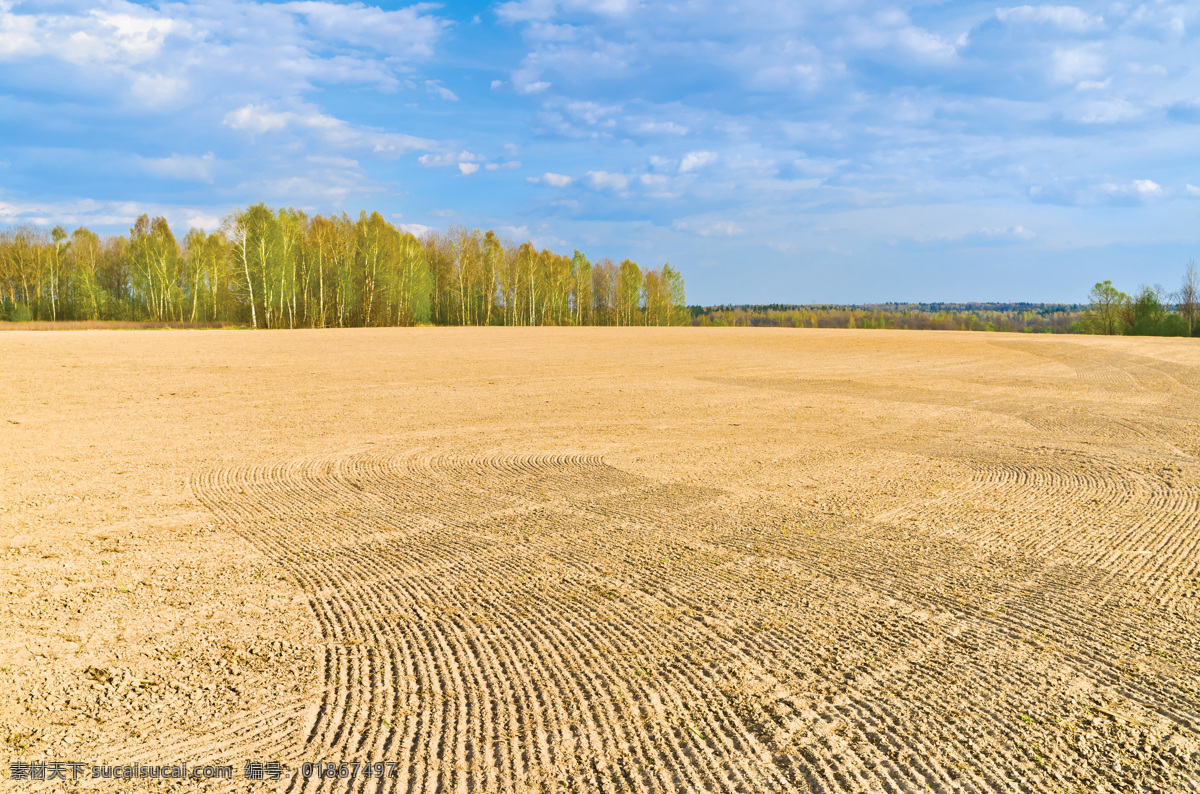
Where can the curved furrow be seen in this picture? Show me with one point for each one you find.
(523, 621)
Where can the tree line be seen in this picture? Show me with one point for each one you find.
(1025, 318)
(1152, 311)
(280, 268)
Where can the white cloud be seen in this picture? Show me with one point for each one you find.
(1072, 65)
(1193, 190)
(197, 219)
(93, 38)
(1151, 70)
(527, 10)
(406, 33)
(1009, 233)
(313, 189)
(207, 49)
(542, 10)
(259, 119)
(592, 112)
(545, 31)
(446, 159)
(1147, 188)
(892, 29)
(466, 169)
(551, 179)
(416, 229)
(603, 179)
(1105, 112)
(658, 186)
(95, 213)
(1067, 18)
(693, 160)
(1098, 192)
(219, 56)
(435, 87)
(157, 90)
(708, 228)
(662, 128)
(181, 166)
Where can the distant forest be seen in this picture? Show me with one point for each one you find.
(1152, 311)
(1025, 317)
(280, 268)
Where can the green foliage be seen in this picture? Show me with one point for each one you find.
(271, 268)
(1172, 325)
(1147, 316)
(14, 312)
(1104, 314)
(1143, 315)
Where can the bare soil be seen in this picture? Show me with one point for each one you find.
(604, 559)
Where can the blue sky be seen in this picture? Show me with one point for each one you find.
(774, 151)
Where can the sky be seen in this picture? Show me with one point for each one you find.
(791, 152)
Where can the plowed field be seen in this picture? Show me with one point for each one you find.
(603, 559)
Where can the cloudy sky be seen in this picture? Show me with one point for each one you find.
(774, 151)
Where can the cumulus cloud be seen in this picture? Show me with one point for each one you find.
(542, 10)
(181, 166)
(891, 29)
(1193, 190)
(1069, 18)
(96, 38)
(1105, 111)
(662, 128)
(592, 112)
(102, 213)
(551, 179)
(1071, 65)
(1147, 187)
(694, 160)
(199, 51)
(1093, 85)
(1084, 192)
(446, 159)
(260, 119)
(605, 180)
(406, 33)
(466, 169)
(1017, 232)
(435, 87)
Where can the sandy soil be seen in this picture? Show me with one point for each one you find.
(604, 559)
